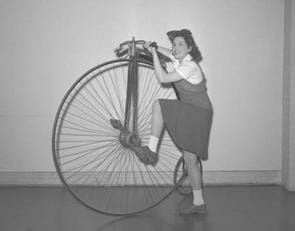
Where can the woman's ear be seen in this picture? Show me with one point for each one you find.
(190, 48)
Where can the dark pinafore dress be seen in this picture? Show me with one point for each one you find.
(188, 120)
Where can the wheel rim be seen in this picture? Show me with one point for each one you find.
(90, 160)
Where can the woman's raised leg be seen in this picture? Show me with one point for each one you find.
(157, 126)
(148, 154)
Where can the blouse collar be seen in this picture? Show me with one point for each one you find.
(188, 57)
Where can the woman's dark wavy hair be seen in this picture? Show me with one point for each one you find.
(187, 35)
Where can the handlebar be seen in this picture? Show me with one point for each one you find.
(129, 47)
(132, 42)
(133, 50)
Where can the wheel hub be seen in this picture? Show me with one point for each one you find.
(128, 139)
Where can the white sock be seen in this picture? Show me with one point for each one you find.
(153, 143)
(198, 197)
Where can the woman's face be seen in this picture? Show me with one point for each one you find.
(180, 48)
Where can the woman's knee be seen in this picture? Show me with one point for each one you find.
(190, 158)
(156, 105)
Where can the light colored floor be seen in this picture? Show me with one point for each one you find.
(239, 208)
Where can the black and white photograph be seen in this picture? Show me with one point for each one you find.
(150, 115)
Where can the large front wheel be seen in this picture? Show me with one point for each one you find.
(90, 152)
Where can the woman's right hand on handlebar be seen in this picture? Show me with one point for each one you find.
(147, 45)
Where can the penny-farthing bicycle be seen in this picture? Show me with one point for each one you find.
(104, 112)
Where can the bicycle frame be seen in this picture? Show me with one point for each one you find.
(129, 136)
(132, 86)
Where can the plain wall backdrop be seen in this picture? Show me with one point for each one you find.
(46, 45)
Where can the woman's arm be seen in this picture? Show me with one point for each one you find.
(163, 50)
(162, 75)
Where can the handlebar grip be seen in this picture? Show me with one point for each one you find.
(120, 52)
(154, 44)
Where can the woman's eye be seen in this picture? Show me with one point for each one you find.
(177, 45)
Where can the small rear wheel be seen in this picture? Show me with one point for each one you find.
(180, 178)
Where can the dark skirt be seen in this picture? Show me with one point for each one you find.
(188, 125)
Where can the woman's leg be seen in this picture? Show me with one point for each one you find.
(157, 126)
(194, 173)
(148, 154)
(157, 119)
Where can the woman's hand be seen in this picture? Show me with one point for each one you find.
(150, 46)
(147, 44)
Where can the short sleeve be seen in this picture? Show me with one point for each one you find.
(186, 69)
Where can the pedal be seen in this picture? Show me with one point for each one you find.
(116, 124)
(134, 140)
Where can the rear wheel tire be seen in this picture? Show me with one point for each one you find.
(180, 178)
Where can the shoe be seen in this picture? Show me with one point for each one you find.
(145, 155)
(194, 209)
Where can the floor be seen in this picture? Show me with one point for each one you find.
(251, 208)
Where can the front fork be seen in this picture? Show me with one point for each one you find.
(129, 136)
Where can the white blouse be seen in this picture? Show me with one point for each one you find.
(188, 69)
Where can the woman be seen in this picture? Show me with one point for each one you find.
(188, 119)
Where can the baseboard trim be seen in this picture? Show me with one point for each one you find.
(29, 179)
(242, 177)
(209, 178)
